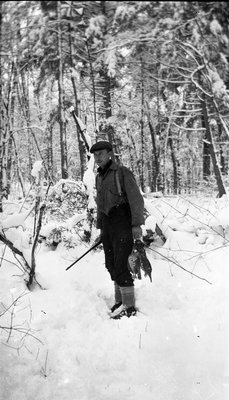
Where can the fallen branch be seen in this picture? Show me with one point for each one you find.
(14, 249)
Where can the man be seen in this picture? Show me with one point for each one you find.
(120, 215)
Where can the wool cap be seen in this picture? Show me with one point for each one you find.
(101, 145)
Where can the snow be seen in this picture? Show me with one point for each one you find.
(37, 167)
(66, 347)
(95, 26)
(89, 182)
(215, 27)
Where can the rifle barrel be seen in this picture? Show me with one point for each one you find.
(88, 251)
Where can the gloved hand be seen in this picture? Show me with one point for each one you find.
(136, 232)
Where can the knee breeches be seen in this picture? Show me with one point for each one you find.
(117, 243)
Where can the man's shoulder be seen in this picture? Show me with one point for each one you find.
(124, 170)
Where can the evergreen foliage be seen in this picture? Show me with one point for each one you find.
(151, 77)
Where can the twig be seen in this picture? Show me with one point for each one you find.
(197, 206)
(2, 257)
(140, 341)
(5, 259)
(13, 303)
(208, 251)
(195, 219)
(180, 266)
(20, 330)
(25, 331)
(44, 369)
(27, 195)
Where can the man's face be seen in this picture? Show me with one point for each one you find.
(102, 157)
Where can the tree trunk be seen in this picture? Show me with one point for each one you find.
(142, 129)
(2, 145)
(52, 119)
(9, 162)
(218, 175)
(155, 160)
(134, 159)
(206, 156)
(49, 149)
(223, 163)
(62, 118)
(81, 143)
(7, 112)
(167, 135)
(18, 169)
(76, 104)
(35, 242)
(174, 163)
(78, 130)
(23, 90)
(1, 112)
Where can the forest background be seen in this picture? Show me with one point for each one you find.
(153, 79)
(150, 77)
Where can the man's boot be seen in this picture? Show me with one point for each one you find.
(117, 296)
(128, 301)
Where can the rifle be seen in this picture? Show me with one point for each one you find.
(91, 248)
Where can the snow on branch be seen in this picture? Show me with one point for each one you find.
(189, 228)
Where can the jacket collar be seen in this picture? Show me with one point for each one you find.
(110, 165)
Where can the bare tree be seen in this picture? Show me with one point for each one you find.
(62, 120)
(217, 172)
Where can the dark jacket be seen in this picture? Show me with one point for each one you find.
(109, 197)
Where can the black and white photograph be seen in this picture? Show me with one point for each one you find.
(114, 200)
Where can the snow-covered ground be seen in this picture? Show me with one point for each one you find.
(176, 348)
